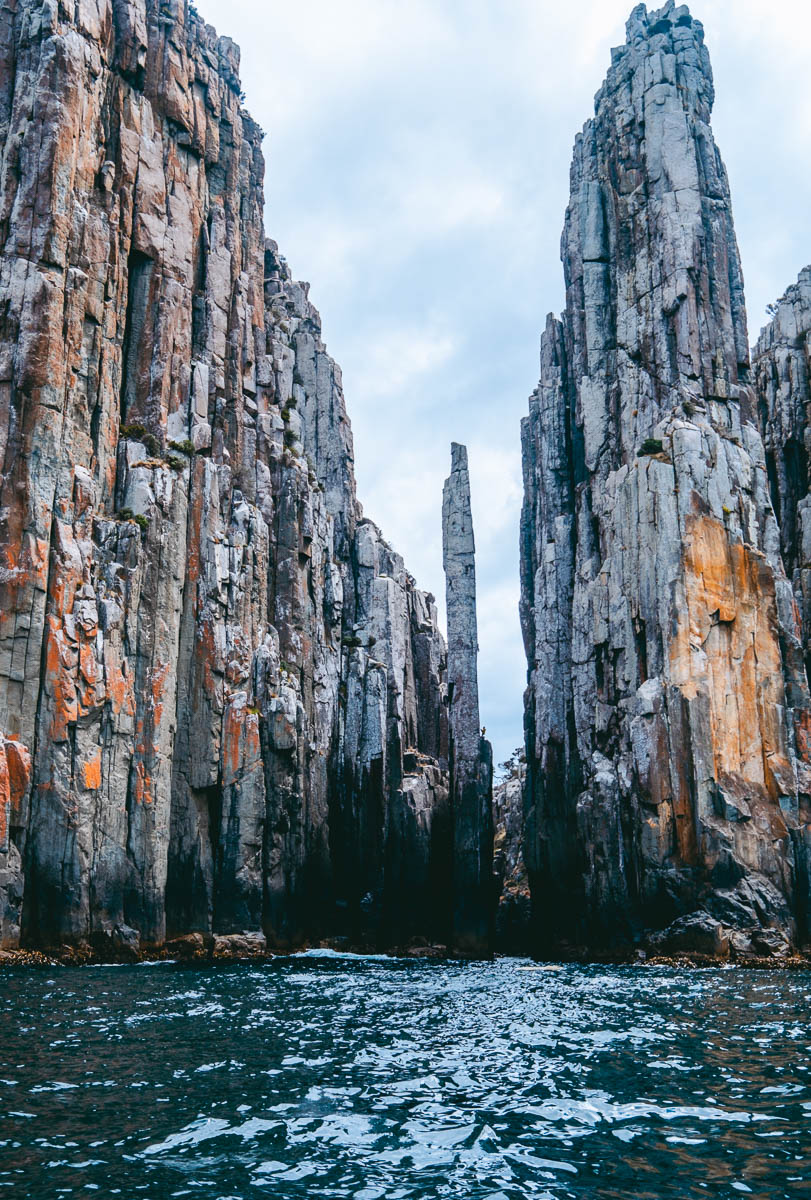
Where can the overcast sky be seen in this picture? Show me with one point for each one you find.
(418, 168)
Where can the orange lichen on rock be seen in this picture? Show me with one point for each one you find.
(5, 801)
(727, 647)
(153, 338)
(87, 681)
(92, 773)
(118, 682)
(142, 784)
(802, 735)
(15, 779)
(58, 666)
(158, 693)
(241, 747)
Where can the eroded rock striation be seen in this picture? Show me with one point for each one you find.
(667, 712)
(513, 918)
(470, 754)
(782, 374)
(221, 692)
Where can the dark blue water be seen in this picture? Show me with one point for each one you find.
(392, 1079)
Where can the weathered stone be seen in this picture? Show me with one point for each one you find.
(15, 781)
(213, 662)
(119, 942)
(419, 854)
(667, 706)
(240, 946)
(696, 934)
(470, 754)
(782, 371)
(513, 928)
(191, 947)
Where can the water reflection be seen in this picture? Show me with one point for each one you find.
(367, 1079)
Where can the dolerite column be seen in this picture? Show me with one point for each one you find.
(471, 756)
(668, 709)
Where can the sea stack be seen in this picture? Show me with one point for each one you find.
(668, 707)
(470, 754)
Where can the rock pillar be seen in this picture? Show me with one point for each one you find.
(471, 757)
(668, 764)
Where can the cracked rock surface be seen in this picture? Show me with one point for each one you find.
(667, 712)
(221, 692)
(782, 374)
(513, 932)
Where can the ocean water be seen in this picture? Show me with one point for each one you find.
(376, 1079)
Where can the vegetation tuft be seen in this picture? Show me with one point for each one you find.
(126, 514)
(138, 433)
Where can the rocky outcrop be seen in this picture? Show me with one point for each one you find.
(220, 689)
(470, 754)
(667, 712)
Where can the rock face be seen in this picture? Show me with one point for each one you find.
(513, 922)
(667, 712)
(470, 754)
(15, 781)
(782, 372)
(221, 692)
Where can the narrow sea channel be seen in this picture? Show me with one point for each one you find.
(380, 1079)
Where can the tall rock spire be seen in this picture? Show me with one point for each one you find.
(667, 701)
(471, 758)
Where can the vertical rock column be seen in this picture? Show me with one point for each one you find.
(667, 707)
(195, 736)
(782, 377)
(471, 756)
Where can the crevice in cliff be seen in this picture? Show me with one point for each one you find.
(209, 803)
(31, 911)
(198, 327)
(134, 347)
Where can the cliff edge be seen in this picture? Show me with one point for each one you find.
(221, 692)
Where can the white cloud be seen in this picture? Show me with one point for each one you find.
(496, 486)
(396, 359)
(306, 56)
(435, 207)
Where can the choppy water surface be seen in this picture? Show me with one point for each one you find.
(386, 1079)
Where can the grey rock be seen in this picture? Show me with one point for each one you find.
(782, 377)
(211, 666)
(697, 933)
(239, 945)
(667, 758)
(513, 923)
(119, 942)
(191, 947)
(470, 754)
